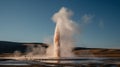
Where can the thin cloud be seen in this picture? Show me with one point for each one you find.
(101, 24)
(86, 18)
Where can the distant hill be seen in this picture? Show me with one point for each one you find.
(7, 48)
(10, 47)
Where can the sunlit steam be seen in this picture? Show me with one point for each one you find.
(65, 29)
(57, 42)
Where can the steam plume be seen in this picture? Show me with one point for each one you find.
(67, 28)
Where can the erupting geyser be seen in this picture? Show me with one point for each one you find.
(57, 42)
(63, 36)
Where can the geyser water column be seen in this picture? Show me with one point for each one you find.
(64, 31)
(57, 42)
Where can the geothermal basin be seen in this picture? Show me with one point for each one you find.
(60, 53)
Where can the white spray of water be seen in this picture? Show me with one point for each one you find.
(67, 29)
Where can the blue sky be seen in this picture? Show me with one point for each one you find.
(30, 21)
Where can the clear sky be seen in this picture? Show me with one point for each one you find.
(30, 21)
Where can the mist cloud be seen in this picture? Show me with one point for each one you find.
(87, 18)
